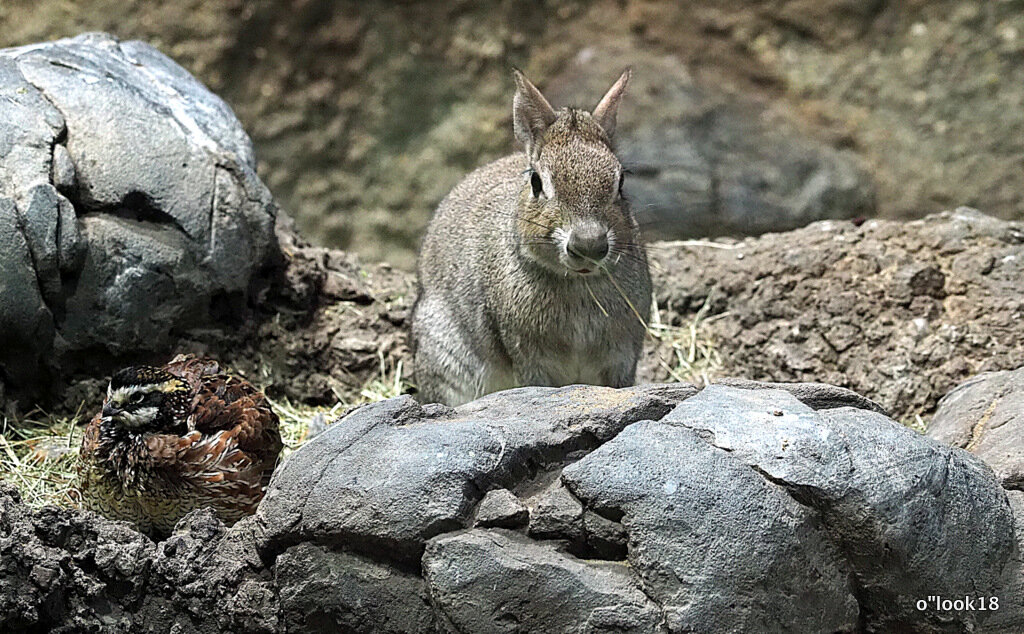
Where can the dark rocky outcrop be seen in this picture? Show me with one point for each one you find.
(681, 510)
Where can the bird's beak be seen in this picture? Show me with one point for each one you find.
(110, 410)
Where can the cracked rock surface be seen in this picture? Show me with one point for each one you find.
(137, 208)
(500, 581)
(500, 508)
(985, 415)
(659, 508)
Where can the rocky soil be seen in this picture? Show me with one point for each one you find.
(900, 312)
(362, 112)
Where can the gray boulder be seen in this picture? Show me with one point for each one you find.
(501, 508)
(659, 508)
(499, 581)
(130, 209)
(395, 474)
(1010, 616)
(903, 510)
(718, 545)
(327, 591)
(985, 416)
(736, 509)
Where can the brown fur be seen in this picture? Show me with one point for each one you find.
(504, 300)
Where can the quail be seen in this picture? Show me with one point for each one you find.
(176, 438)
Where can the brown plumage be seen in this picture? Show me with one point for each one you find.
(173, 439)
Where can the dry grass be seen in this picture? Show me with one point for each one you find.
(38, 453)
(693, 356)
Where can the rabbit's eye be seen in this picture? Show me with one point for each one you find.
(538, 186)
(622, 179)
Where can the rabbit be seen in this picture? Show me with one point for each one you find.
(531, 271)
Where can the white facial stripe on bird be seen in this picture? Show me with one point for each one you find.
(138, 417)
(122, 395)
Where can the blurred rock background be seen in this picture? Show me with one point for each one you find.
(744, 117)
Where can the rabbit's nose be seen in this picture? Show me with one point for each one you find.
(589, 242)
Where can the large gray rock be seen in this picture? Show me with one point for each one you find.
(660, 508)
(130, 204)
(736, 508)
(719, 546)
(327, 591)
(498, 581)
(395, 474)
(1010, 617)
(500, 508)
(985, 416)
(903, 510)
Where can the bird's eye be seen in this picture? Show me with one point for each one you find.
(138, 397)
(537, 184)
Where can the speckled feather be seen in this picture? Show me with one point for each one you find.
(224, 460)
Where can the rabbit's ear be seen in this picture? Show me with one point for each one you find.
(531, 113)
(605, 111)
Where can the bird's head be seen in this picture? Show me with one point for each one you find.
(144, 398)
